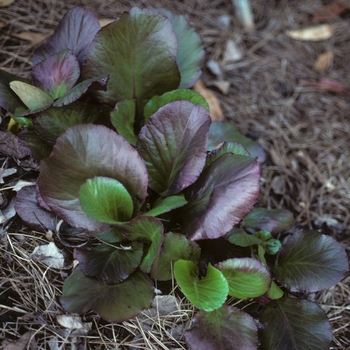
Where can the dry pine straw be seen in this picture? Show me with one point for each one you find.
(304, 131)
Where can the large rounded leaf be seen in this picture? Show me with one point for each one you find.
(75, 33)
(310, 261)
(81, 153)
(173, 144)
(246, 277)
(110, 264)
(208, 293)
(190, 52)
(226, 328)
(106, 200)
(292, 324)
(224, 193)
(139, 53)
(115, 303)
(175, 247)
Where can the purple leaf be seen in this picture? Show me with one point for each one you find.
(173, 144)
(224, 193)
(8, 99)
(222, 329)
(310, 261)
(110, 264)
(57, 74)
(30, 211)
(115, 303)
(81, 153)
(138, 51)
(75, 33)
(272, 220)
(285, 323)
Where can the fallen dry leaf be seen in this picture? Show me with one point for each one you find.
(222, 85)
(105, 21)
(35, 38)
(49, 254)
(4, 3)
(21, 343)
(330, 11)
(329, 85)
(216, 113)
(316, 33)
(323, 61)
(232, 53)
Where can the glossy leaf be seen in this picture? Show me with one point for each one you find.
(241, 238)
(115, 303)
(225, 192)
(175, 247)
(292, 324)
(81, 153)
(208, 293)
(275, 292)
(110, 264)
(173, 144)
(32, 214)
(54, 121)
(75, 33)
(123, 118)
(224, 131)
(246, 277)
(164, 205)
(148, 230)
(188, 60)
(8, 99)
(273, 220)
(157, 102)
(106, 200)
(222, 329)
(34, 98)
(226, 147)
(57, 74)
(39, 148)
(138, 52)
(310, 261)
(78, 90)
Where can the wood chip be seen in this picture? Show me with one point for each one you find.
(330, 11)
(105, 21)
(216, 113)
(35, 38)
(316, 33)
(323, 61)
(4, 3)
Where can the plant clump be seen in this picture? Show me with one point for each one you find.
(129, 154)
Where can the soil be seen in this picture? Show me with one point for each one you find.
(274, 96)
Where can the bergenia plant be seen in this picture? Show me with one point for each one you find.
(162, 191)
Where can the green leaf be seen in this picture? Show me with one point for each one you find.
(275, 292)
(33, 97)
(241, 238)
(110, 264)
(149, 230)
(106, 200)
(224, 131)
(226, 147)
(157, 102)
(190, 53)
(310, 261)
(173, 144)
(54, 121)
(164, 205)
(246, 277)
(208, 293)
(114, 303)
(123, 118)
(39, 148)
(138, 52)
(292, 324)
(222, 329)
(272, 220)
(175, 247)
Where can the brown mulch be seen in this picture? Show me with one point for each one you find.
(304, 130)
